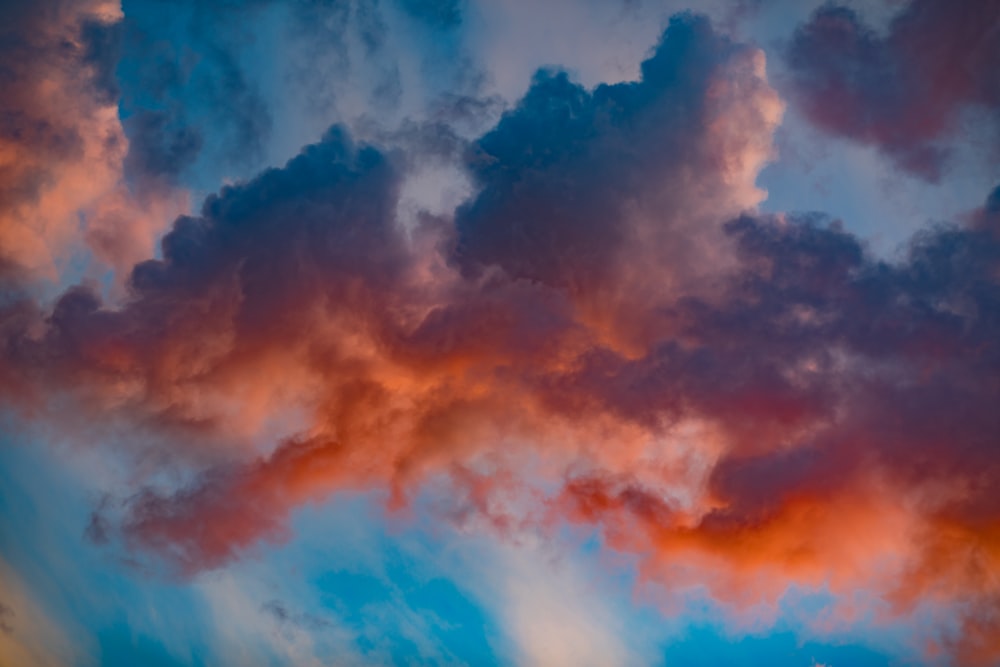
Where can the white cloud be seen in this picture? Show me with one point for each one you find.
(557, 612)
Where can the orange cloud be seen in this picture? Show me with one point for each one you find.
(741, 404)
(62, 189)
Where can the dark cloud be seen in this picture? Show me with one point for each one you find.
(902, 92)
(305, 236)
(558, 174)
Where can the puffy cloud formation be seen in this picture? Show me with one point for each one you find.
(855, 403)
(54, 160)
(62, 145)
(604, 333)
(573, 182)
(902, 92)
(393, 339)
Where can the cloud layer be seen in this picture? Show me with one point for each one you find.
(607, 332)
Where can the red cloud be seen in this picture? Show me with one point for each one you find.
(742, 404)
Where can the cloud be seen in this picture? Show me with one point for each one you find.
(555, 617)
(293, 243)
(903, 92)
(606, 332)
(305, 269)
(574, 183)
(187, 90)
(62, 146)
(247, 630)
(854, 397)
(52, 162)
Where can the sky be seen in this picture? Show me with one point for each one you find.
(499, 332)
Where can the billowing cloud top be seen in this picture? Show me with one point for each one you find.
(553, 324)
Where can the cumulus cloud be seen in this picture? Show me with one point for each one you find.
(902, 92)
(62, 146)
(573, 181)
(390, 348)
(855, 402)
(741, 401)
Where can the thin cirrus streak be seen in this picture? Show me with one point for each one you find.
(607, 333)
